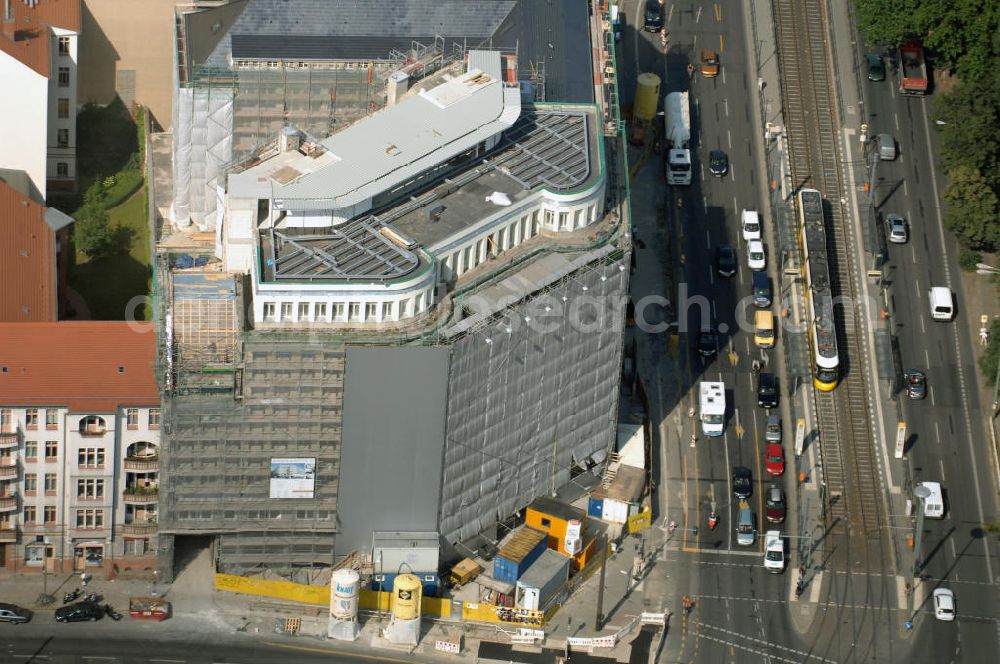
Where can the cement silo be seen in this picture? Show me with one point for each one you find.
(647, 97)
(344, 590)
(407, 591)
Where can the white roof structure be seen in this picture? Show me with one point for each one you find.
(393, 146)
(632, 445)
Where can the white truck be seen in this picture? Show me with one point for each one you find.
(677, 119)
(713, 407)
(774, 552)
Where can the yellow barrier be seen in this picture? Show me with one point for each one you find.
(641, 521)
(500, 614)
(295, 592)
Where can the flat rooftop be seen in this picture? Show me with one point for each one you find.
(550, 146)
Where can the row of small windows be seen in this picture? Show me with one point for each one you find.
(32, 415)
(350, 312)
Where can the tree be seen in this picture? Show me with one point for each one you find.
(93, 233)
(991, 356)
(972, 114)
(972, 209)
(889, 21)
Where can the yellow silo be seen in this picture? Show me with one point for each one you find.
(647, 96)
(406, 594)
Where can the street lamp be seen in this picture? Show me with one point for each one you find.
(922, 493)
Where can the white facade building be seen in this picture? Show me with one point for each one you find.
(39, 44)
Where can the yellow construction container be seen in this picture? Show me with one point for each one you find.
(406, 593)
(647, 97)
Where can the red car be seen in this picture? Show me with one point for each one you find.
(775, 463)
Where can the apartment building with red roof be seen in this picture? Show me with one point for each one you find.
(38, 64)
(79, 446)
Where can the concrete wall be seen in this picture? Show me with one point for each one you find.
(128, 51)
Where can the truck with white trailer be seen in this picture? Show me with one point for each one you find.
(713, 407)
(677, 133)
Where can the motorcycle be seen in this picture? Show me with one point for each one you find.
(114, 615)
(90, 597)
(70, 596)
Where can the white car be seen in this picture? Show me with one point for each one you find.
(751, 225)
(944, 604)
(755, 256)
(774, 552)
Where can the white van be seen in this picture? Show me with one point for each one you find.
(751, 225)
(941, 302)
(934, 503)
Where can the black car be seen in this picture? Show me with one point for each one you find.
(775, 508)
(718, 163)
(725, 260)
(876, 68)
(742, 482)
(79, 612)
(767, 390)
(14, 614)
(916, 384)
(708, 342)
(653, 16)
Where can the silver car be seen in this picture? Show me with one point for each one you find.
(898, 232)
(745, 534)
(772, 434)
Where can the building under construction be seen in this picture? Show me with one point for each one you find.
(415, 320)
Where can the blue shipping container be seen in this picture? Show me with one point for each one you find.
(430, 582)
(595, 508)
(509, 570)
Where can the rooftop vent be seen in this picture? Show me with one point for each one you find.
(434, 214)
(121, 369)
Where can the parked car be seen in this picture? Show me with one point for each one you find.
(772, 430)
(767, 390)
(718, 163)
(708, 342)
(725, 260)
(653, 18)
(755, 256)
(876, 67)
(745, 531)
(896, 228)
(944, 604)
(750, 223)
(760, 288)
(774, 462)
(774, 552)
(774, 507)
(79, 612)
(14, 614)
(916, 384)
(709, 64)
(742, 482)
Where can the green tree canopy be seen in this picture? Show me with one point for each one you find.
(972, 209)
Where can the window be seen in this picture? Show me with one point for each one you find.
(132, 418)
(419, 304)
(64, 77)
(64, 44)
(30, 484)
(354, 311)
(31, 418)
(549, 219)
(50, 484)
(563, 219)
(90, 518)
(321, 311)
(136, 547)
(370, 310)
(387, 311)
(34, 554)
(62, 107)
(51, 450)
(154, 418)
(62, 169)
(50, 514)
(90, 489)
(31, 450)
(62, 138)
(51, 418)
(546, 523)
(91, 457)
(269, 311)
(6, 420)
(286, 311)
(338, 311)
(303, 311)
(30, 515)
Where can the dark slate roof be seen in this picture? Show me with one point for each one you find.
(556, 31)
(318, 47)
(332, 19)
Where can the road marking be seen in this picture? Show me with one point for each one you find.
(718, 12)
(729, 137)
(722, 47)
(941, 463)
(697, 16)
(376, 658)
(927, 359)
(896, 116)
(708, 239)
(743, 637)
(711, 275)
(937, 433)
(732, 173)
(736, 207)
(933, 400)
(913, 254)
(923, 328)
(170, 661)
(906, 191)
(725, 105)
(739, 427)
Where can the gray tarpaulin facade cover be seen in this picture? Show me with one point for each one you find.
(526, 406)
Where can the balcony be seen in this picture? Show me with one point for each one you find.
(140, 528)
(8, 439)
(8, 470)
(142, 464)
(141, 494)
(8, 504)
(8, 533)
(91, 430)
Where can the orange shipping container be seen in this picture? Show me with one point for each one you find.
(552, 517)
